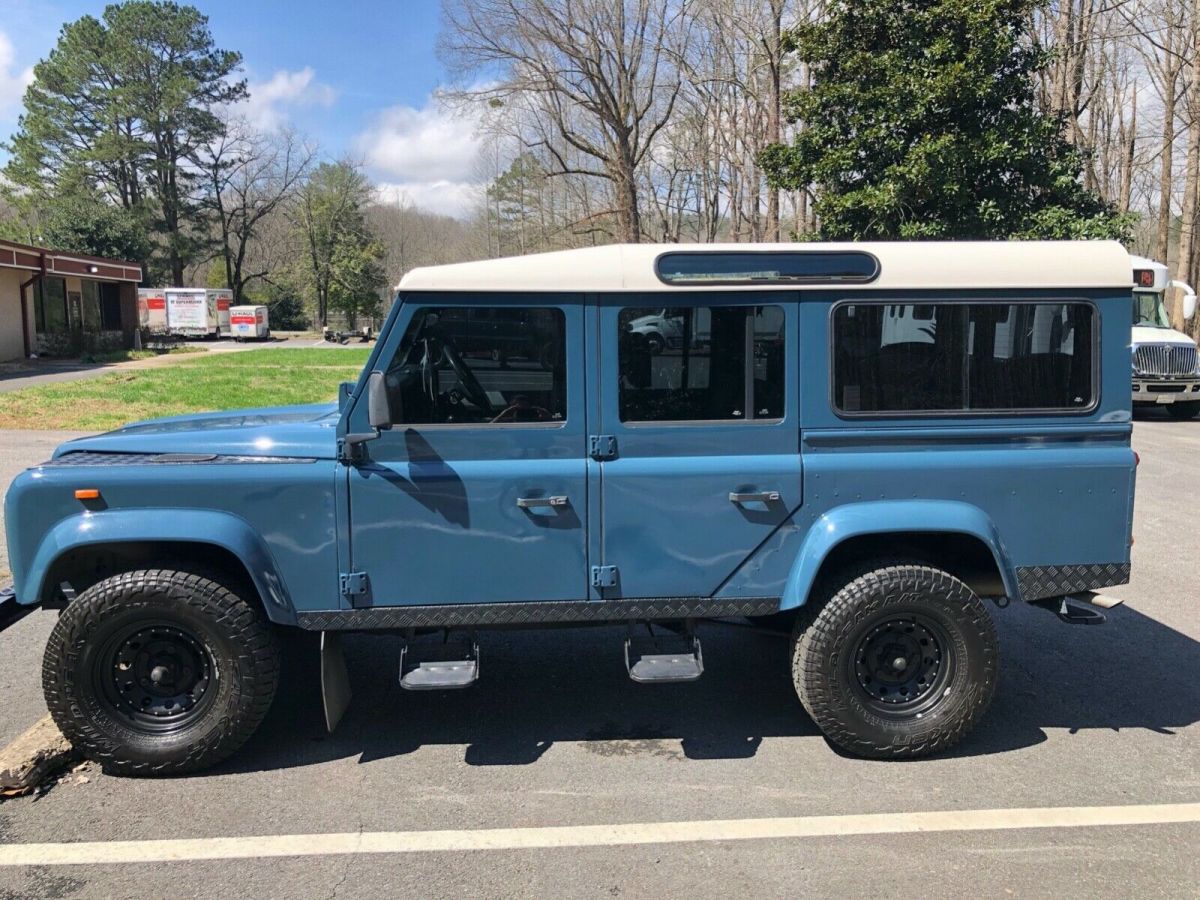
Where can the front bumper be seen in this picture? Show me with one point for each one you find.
(1165, 390)
(11, 611)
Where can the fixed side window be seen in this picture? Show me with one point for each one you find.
(705, 363)
(480, 366)
(973, 357)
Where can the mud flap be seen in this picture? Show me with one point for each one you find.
(335, 680)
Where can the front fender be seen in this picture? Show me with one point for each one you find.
(890, 517)
(191, 526)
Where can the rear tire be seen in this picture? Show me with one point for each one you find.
(898, 662)
(159, 672)
(1185, 410)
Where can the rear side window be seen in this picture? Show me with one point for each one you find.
(954, 357)
(704, 363)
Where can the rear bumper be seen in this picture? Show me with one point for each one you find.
(11, 611)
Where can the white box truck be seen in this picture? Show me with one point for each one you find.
(186, 312)
(198, 312)
(249, 323)
(152, 310)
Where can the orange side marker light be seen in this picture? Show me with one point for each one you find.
(87, 494)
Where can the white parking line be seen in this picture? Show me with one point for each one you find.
(265, 846)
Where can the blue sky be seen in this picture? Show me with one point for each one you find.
(357, 76)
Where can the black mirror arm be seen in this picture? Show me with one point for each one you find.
(350, 446)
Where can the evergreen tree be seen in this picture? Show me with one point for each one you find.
(921, 123)
(122, 104)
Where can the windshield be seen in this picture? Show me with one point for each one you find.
(1148, 310)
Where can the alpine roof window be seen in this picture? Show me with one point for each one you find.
(766, 267)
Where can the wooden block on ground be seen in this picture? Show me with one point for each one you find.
(32, 757)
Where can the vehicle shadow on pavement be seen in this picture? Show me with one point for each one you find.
(540, 688)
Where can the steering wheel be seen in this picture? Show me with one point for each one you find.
(470, 384)
(509, 414)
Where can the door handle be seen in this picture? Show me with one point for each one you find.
(755, 497)
(538, 502)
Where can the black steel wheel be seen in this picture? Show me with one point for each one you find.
(156, 676)
(159, 671)
(896, 661)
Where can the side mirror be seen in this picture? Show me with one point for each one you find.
(379, 406)
(1189, 305)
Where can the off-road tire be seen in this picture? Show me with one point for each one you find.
(241, 648)
(825, 641)
(1185, 410)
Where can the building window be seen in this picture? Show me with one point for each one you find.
(704, 363)
(481, 366)
(91, 305)
(50, 305)
(963, 357)
(110, 306)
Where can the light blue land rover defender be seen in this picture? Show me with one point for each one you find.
(870, 444)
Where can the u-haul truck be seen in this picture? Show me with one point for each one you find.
(186, 312)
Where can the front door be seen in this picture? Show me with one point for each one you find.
(701, 400)
(478, 493)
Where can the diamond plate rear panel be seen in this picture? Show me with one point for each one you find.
(480, 614)
(1038, 582)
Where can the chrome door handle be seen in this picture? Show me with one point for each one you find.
(537, 502)
(755, 497)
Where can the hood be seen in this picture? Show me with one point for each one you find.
(306, 431)
(1148, 334)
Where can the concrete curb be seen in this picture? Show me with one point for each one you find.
(33, 757)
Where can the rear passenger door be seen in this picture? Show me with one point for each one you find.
(697, 438)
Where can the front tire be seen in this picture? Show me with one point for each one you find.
(898, 662)
(1184, 410)
(159, 672)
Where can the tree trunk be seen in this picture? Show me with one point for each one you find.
(1166, 161)
(1187, 230)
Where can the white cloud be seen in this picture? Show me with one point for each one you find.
(448, 198)
(269, 100)
(12, 81)
(427, 156)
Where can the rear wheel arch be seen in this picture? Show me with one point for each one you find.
(971, 554)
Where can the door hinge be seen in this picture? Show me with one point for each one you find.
(602, 446)
(354, 584)
(604, 576)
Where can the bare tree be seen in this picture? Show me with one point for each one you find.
(599, 76)
(251, 175)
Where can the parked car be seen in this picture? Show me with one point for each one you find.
(875, 444)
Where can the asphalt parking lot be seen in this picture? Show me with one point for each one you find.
(556, 736)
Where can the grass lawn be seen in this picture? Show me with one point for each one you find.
(210, 382)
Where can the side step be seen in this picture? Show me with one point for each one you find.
(439, 667)
(663, 659)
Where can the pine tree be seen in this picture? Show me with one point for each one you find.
(921, 123)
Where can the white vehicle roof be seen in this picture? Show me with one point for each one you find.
(902, 265)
